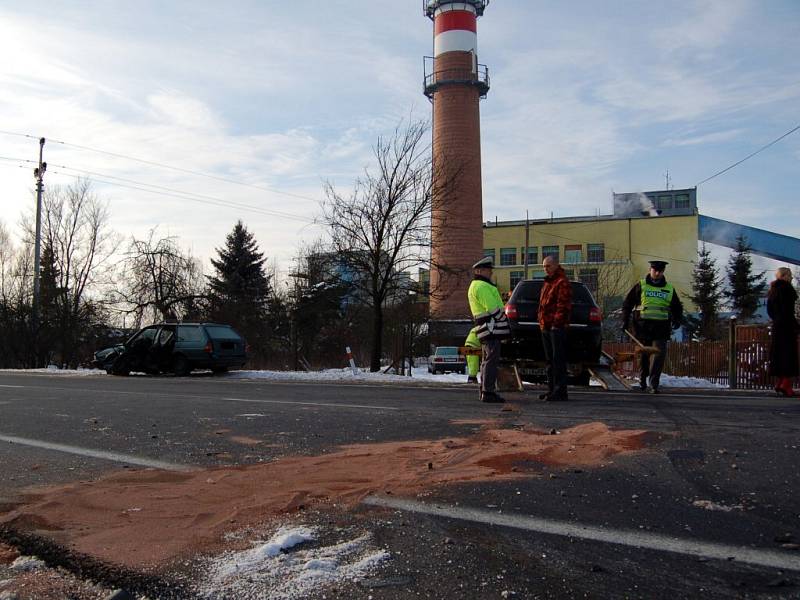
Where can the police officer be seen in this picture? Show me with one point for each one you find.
(656, 309)
(486, 307)
(473, 360)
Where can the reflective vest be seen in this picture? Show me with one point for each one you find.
(655, 301)
(487, 306)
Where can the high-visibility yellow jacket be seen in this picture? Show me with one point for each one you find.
(486, 307)
(484, 297)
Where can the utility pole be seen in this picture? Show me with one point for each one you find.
(38, 173)
(527, 242)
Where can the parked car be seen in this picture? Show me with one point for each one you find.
(176, 347)
(447, 358)
(584, 335)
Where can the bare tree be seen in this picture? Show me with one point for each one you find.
(16, 287)
(76, 229)
(158, 279)
(382, 230)
(613, 283)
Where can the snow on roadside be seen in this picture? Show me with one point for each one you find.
(276, 569)
(361, 375)
(673, 381)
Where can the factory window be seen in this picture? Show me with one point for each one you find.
(538, 274)
(664, 202)
(516, 277)
(681, 200)
(533, 255)
(589, 278)
(490, 253)
(550, 251)
(595, 253)
(570, 273)
(573, 253)
(508, 257)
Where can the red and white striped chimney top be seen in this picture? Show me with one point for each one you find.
(455, 28)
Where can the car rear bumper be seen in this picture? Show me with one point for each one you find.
(584, 343)
(212, 362)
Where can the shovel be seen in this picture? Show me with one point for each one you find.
(641, 346)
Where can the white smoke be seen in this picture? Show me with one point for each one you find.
(634, 205)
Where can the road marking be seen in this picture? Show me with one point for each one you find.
(12, 386)
(333, 404)
(101, 454)
(650, 541)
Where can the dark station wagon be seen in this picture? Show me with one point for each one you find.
(584, 334)
(176, 347)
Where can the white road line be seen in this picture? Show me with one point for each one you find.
(101, 454)
(650, 541)
(11, 386)
(332, 404)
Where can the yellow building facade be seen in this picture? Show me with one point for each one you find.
(608, 253)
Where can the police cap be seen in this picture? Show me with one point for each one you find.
(485, 263)
(658, 265)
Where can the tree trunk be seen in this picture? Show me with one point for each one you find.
(377, 338)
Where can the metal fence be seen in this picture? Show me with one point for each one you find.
(748, 369)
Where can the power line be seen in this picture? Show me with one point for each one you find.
(164, 166)
(189, 196)
(175, 193)
(736, 164)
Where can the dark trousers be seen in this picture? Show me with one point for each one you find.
(491, 359)
(555, 353)
(652, 364)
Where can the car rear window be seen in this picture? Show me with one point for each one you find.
(222, 332)
(529, 292)
(447, 351)
(188, 333)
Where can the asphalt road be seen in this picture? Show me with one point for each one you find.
(631, 529)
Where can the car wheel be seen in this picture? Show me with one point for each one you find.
(181, 366)
(121, 366)
(219, 370)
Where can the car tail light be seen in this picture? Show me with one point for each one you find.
(595, 315)
(511, 311)
(247, 348)
(209, 348)
(438, 360)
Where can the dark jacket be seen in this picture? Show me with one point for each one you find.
(781, 303)
(647, 331)
(555, 301)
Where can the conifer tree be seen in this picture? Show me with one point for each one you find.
(745, 288)
(706, 293)
(240, 290)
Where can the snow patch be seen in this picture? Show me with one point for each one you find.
(274, 569)
(709, 505)
(24, 564)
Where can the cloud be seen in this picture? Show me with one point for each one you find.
(709, 138)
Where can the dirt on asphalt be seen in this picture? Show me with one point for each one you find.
(148, 519)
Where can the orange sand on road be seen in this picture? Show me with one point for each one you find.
(148, 518)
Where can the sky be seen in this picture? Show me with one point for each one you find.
(258, 104)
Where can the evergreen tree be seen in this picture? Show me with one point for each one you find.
(706, 293)
(745, 288)
(240, 291)
(51, 302)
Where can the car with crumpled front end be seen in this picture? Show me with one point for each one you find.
(176, 347)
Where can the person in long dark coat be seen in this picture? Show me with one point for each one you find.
(783, 359)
